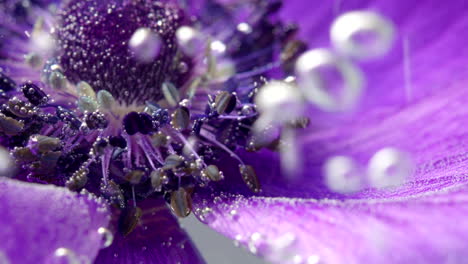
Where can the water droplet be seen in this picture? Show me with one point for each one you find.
(238, 239)
(108, 237)
(206, 215)
(278, 102)
(389, 167)
(218, 47)
(67, 254)
(255, 242)
(314, 259)
(343, 175)
(145, 44)
(362, 34)
(190, 40)
(329, 81)
(244, 28)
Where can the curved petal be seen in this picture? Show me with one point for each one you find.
(427, 120)
(419, 229)
(433, 131)
(157, 239)
(427, 42)
(38, 219)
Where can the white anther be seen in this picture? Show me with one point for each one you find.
(329, 81)
(389, 167)
(362, 34)
(145, 44)
(343, 175)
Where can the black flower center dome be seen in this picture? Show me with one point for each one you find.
(93, 38)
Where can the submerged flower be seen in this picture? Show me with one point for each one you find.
(336, 139)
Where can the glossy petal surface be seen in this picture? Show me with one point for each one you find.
(37, 219)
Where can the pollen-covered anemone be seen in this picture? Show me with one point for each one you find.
(136, 100)
(327, 142)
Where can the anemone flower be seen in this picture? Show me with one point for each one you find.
(306, 131)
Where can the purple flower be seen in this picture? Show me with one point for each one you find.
(337, 139)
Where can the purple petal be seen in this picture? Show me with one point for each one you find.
(428, 121)
(157, 238)
(429, 29)
(419, 229)
(37, 220)
(433, 131)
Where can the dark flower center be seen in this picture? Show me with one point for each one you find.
(94, 36)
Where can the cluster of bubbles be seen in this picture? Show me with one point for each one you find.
(330, 80)
(388, 167)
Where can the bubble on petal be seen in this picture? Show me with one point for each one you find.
(389, 167)
(67, 255)
(107, 235)
(190, 40)
(362, 34)
(329, 81)
(145, 44)
(218, 47)
(278, 102)
(244, 28)
(343, 175)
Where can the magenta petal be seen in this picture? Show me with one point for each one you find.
(37, 219)
(419, 229)
(157, 239)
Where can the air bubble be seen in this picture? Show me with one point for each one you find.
(244, 28)
(343, 175)
(329, 81)
(108, 237)
(145, 44)
(189, 40)
(389, 167)
(278, 102)
(68, 255)
(362, 34)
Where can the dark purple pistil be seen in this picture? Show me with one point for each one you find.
(93, 38)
